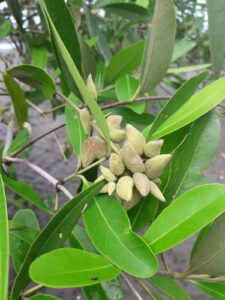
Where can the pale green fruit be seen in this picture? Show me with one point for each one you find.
(153, 148)
(155, 191)
(91, 87)
(85, 118)
(111, 188)
(107, 174)
(116, 164)
(117, 135)
(142, 183)
(134, 200)
(100, 178)
(93, 148)
(131, 159)
(124, 188)
(155, 165)
(114, 121)
(135, 138)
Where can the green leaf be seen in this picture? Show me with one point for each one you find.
(93, 106)
(63, 268)
(54, 234)
(124, 62)
(192, 157)
(159, 46)
(209, 254)
(34, 77)
(16, 10)
(43, 297)
(187, 215)
(215, 290)
(5, 29)
(169, 287)
(176, 102)
(196, 106)
(130, 11)
(4, 244)
(125, 88)
(109, 230)
(216, 11)
(18, 99)
(94, 30)
(20, 140)
(188, 69)
(182, 47)
(58, 11)
(24, 190)
(40, 56)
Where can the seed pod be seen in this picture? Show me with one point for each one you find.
(91, 87)
(131, 159)
(93, 148)
(117, 135)
(108, 175)
(134, 200)
(100, 178)
(153, 148)
(142, 183)
(104, 190)
(124, 188)
(155, 191)
(116, 164)
(155, 165)
(114, 121)
(85, 118)
(135, 138)
(157, 181)
(111, 188)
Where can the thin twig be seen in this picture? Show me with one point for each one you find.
(33, 289)
(145, 288)
(49, 111)
(68, 101)
(132, 288)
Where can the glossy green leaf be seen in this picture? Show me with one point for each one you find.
(125, 88)
(216, 11)
(20, 140)
(169, 287)
(34, 77)
(130, 11)
(4, 244)
(43, 297)
(15, 8)
(40, 56)
(88, 58)
(63, 268)
(94, 30)
(5, 29)
(124, 62)
(192, 157)
(215, 290)
(110, 231)
(209, 254)
(184, 217)
(182, 47)
(18, 99)
(176, 102)
(162, 36)
(93, 106)
(188, 68)
(196, 106)
(55, 233)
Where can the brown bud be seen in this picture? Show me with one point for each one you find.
(124, 188)
(117, 135)
(108, 175)
(155, 165)
(85, 118)
(142, 183)
(155, 191)
(91, 87)
(93, 148)
(104, 190)
(153, 148)
(131, 159)
(134, 200)
(116, 164)
(111, 188)
(135, 138)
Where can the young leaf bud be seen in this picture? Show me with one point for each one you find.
(124, 188)
(155, 165)
(111, 188)
(131, 159)
(116, 164)
(100, 178)
(153, 148)
(91, 87)
(108, 175)
(93, 148)
(155, 191)
(142, 183)
(85, 118)
(135, 138)
(134, 200)
(114, 121)
(117, 135)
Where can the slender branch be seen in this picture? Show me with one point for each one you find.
(145, 288)
(187, 275)
(33, 289)
(68, 101)
(132, 288)
(49, 111)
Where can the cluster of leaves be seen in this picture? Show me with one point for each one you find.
(110, 40)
